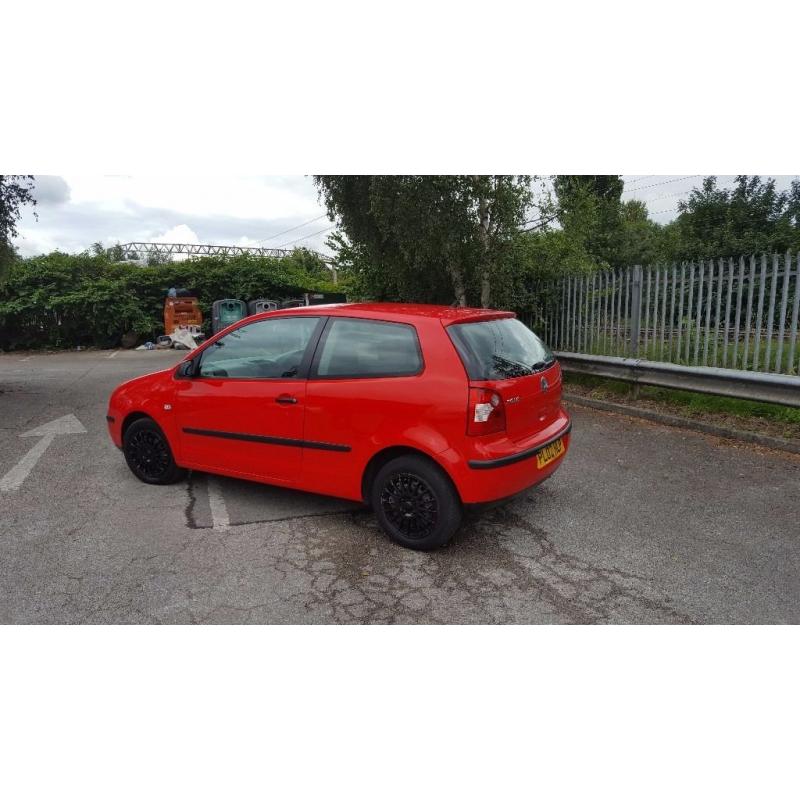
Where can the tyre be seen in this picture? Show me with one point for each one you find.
(416, 503)
(148, 454)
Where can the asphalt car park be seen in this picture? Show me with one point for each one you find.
(642, 523)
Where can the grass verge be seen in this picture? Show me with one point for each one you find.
(765, 418)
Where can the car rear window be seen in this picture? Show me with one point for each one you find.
(499, 349)
(359, 348)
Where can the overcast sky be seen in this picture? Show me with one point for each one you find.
(75, 211)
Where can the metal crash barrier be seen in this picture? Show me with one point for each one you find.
(744, 385)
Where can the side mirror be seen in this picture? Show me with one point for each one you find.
(186, 369)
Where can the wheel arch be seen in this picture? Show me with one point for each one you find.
(387, 454)
(131, 418)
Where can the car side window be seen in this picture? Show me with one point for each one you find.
(271, 348)
(358, 348)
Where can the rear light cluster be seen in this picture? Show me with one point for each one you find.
(486, 412)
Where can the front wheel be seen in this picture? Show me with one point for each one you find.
(148, 453)
(416, 503)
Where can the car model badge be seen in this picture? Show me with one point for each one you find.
(544, 384)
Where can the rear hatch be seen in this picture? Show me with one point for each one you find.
(505, 356)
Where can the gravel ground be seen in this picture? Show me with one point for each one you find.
(781, 429)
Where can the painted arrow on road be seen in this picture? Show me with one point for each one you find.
(15, 477)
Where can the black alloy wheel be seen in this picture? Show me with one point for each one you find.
(416, 502)
(410, 504)
(148, 453)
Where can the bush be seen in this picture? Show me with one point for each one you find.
(61, 300)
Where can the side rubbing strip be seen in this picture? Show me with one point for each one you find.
(279, 440)
(513, 459)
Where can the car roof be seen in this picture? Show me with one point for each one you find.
(397, 312)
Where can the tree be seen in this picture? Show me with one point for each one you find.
(156, 259)
(15, 192)
(589, 212)
(750, 217)
(426, 237)
(308, 260)
(641, 241)
(114, 254)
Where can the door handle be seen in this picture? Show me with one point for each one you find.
(285, 399)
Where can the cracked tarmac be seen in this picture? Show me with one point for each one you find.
(643, 524)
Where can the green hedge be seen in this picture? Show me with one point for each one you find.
(60, 300)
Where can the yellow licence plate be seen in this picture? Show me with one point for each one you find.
(550, 453)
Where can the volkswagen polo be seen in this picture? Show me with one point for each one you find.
(414, 410)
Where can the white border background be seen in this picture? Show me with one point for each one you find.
(242, 88)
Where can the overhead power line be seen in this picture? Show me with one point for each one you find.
(660, 183)
(309, 236)
(289, 230)
(541, 220)
(545, 221)
(667, 196)
(724, 185)
(728, 184)
(637, 180)
(528, 221)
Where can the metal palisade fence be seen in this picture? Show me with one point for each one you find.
(735, 313)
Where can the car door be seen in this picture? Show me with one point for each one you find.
(242, 410)
(361, 394)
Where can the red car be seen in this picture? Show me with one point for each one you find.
(415, 410)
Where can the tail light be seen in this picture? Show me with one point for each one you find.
(486, 412)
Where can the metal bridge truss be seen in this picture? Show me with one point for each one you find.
(139, 249)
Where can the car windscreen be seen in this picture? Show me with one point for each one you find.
(499, 349)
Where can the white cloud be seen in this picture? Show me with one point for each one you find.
(78, 210)
(32, 241)
(246, 241)
(246, 197)
(180, 234)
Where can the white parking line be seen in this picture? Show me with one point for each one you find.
(116, 352)
(27, 358)
(219, 511)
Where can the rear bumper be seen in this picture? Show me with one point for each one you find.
(484, 480)
(504, 461)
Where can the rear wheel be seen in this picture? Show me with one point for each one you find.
(416, 503)
(148, 454)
